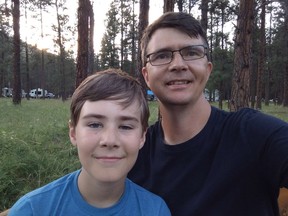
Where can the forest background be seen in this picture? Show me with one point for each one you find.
(248, 46)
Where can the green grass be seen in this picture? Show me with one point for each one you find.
(35, 147)
(277, 111)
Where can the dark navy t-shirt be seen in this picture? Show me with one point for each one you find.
(234, 166)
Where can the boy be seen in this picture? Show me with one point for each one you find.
(109, 118)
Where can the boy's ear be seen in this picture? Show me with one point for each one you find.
(143, 139)
(72, 133)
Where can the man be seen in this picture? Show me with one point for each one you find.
(202, 160)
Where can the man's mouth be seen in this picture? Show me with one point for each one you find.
(179, 82)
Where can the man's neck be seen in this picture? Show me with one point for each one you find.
(181, 123)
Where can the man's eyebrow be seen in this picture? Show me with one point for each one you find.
(161, 50)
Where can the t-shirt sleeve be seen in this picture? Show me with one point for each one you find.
(21, 207)
(164, 210)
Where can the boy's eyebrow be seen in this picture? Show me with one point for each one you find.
(92, 115)
(99, 116)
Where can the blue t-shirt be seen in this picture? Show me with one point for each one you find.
(62, 197)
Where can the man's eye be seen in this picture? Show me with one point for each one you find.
(161, 55)
(95, 125)
(191, 52)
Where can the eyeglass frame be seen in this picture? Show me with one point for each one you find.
(179, 50)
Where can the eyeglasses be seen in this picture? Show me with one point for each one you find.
(188, 53)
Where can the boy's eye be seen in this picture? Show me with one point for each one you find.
(126, 127)
(95, 125)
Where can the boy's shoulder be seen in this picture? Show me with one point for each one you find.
(51, 188)
(141, 191)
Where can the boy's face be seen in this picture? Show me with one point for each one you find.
(108, 138)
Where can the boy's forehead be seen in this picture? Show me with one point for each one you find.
(110, 105)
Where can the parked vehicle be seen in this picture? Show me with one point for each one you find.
(50, 95)
(8, 92)
(37, 93)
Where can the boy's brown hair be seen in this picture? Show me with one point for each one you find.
(110, 84)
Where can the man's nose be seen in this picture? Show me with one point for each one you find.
(178, 61)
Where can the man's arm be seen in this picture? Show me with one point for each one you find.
(283, 202)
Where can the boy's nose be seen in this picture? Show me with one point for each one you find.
(109, 139)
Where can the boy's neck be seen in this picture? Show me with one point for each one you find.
(100, 195)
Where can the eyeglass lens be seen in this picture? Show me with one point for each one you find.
(188, 53)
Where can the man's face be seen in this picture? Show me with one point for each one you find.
(181, 81)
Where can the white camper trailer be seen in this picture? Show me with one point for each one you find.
(7, 92)
(37, 93)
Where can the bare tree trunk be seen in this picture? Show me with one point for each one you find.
(242, 59)
(204, 15)
(143, 23)
(268, 72)
(43, 75)
(180, 5)
(91, 40)
(211, 32)
(285, 95)
(16, 58)
(133, 57)
(62, 54)
(27, 59)
(168, 5)
(83, 50)
(261, 60)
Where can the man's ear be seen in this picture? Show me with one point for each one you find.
(72, 133)
(209, 70)
(145, 75)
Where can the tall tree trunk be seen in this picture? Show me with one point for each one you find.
(42, 75)
(242, 59)
(143, 23)
(83, 35)
(122, 36)
(267, 80)
(168, 5)
(91, 40)
(133, 66)
(16, 58)
(27, 58)
(204, 15)
(180, 5)
(211, 32)
(261, 60)
(285, 93)
(62, 54)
